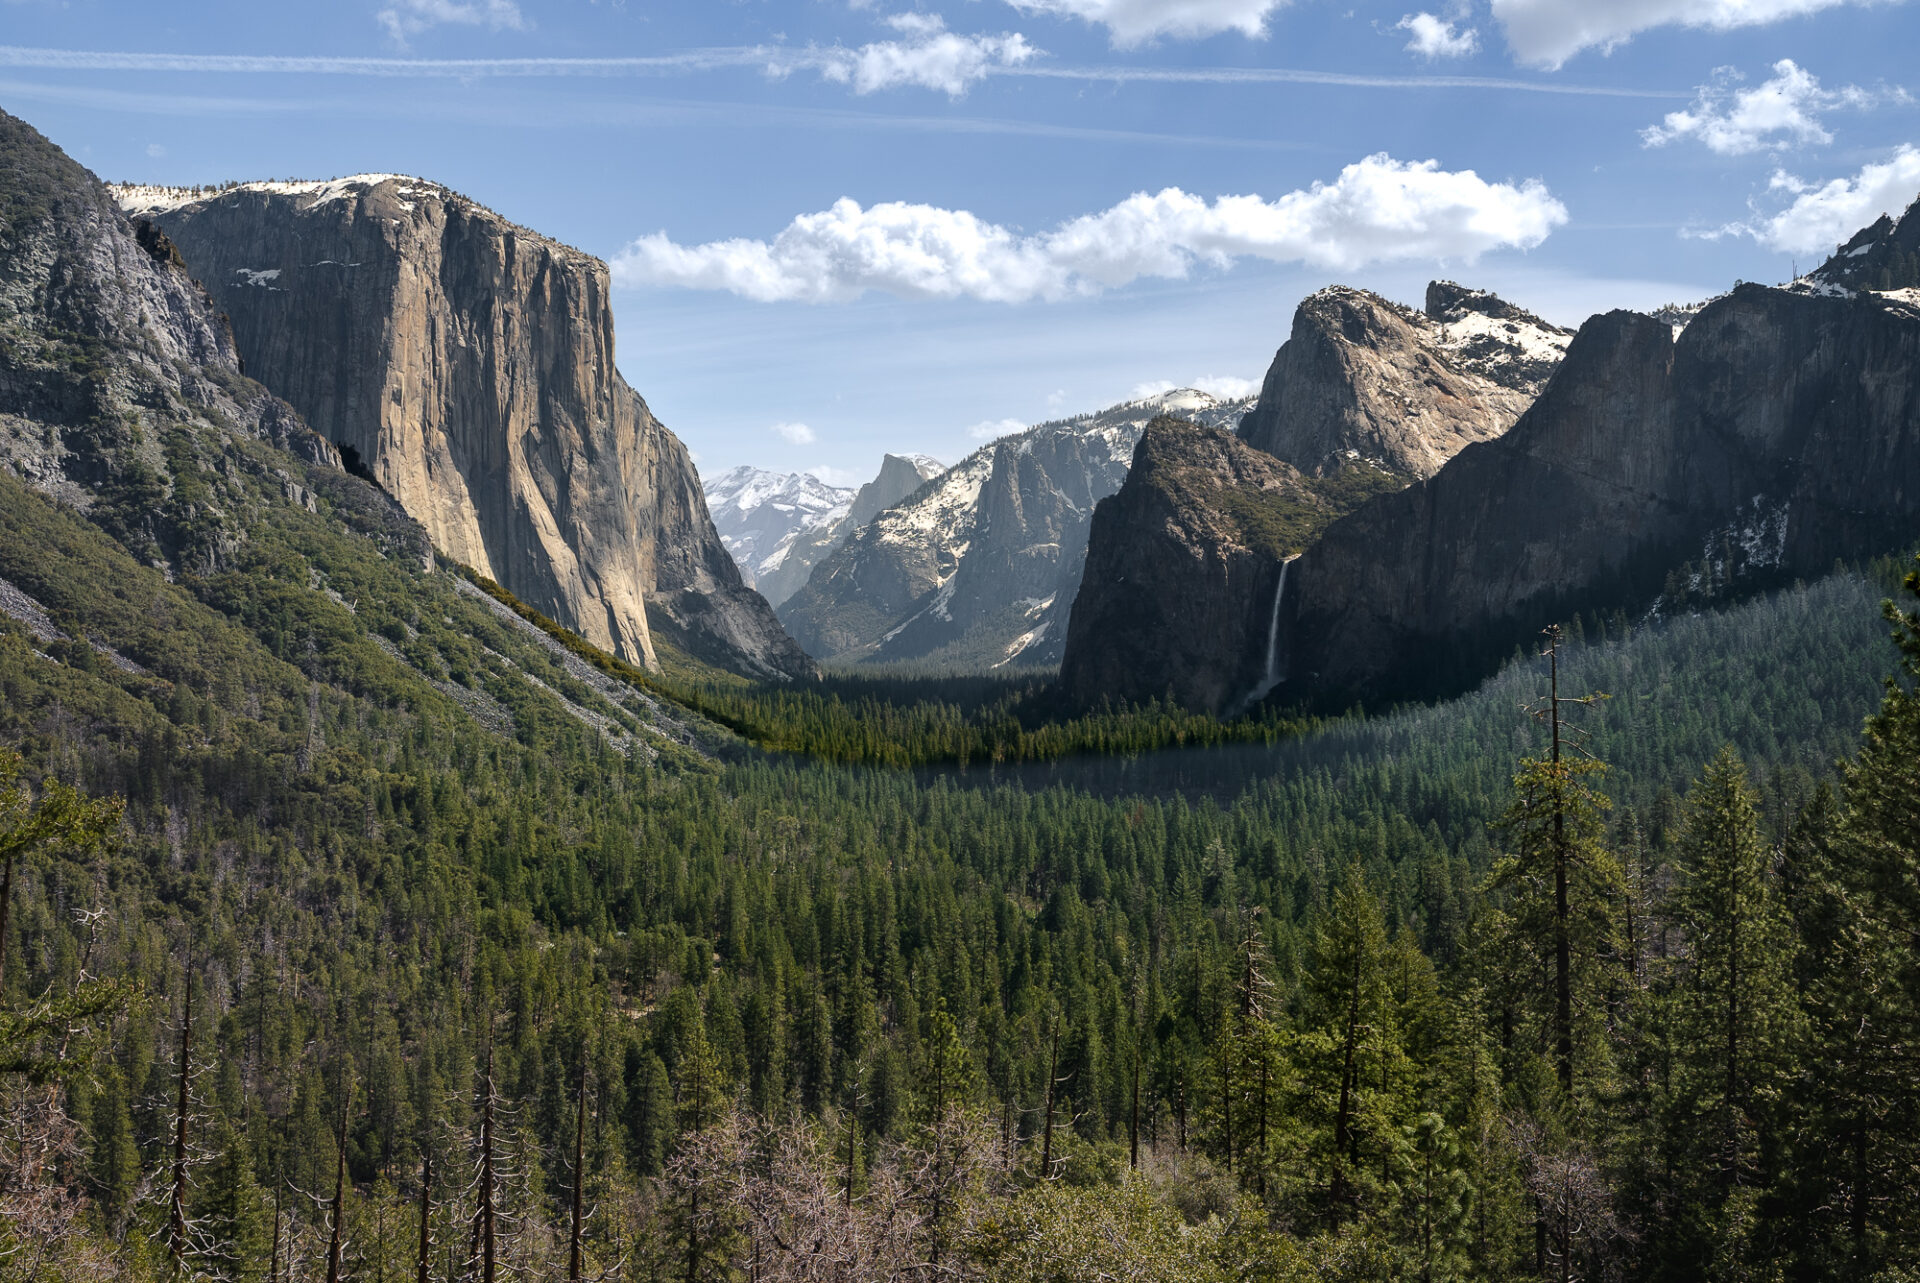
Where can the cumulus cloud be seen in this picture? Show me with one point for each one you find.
(1783, 111)
(156, 150)
(1378, 209)
(1822, 216)
(1222, 387)
(1434, 37)
(994, 429)
(844, 478)
(928, 57)
(408, 18)
(1131, 22)
(795, 433)
(1548, 32)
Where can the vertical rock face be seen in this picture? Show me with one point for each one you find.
(1780, 432)
(467, 365)
(1182, 571)
(1364, 381)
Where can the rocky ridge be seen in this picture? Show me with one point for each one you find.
(978, 569)
(761, 515)
(1363, 381)
(899, 476)
(467, 366)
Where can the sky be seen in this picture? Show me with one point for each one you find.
(842, 227)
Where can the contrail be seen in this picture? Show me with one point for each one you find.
(777, 59)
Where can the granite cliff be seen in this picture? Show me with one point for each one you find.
(467, 366)
(1748, 442)
(1365, 397)
(1363, 381)
(1183, 566)
(1780, 431)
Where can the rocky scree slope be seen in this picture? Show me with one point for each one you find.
(761, 514)
(165, 513)
(978, 568)
(1363, 381)
(467, 366)
(899, 476)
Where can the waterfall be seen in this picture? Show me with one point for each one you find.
(1273, 630)
(1275, 672)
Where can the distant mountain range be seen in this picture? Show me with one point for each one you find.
(976, 568)
(759, 514)
(778, 525)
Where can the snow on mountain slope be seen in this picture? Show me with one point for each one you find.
(760, 514)
(970, 571)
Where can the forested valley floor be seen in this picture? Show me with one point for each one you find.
(332, 953)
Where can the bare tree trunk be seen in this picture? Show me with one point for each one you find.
(1046, 1139)
(177, 1200)
(422, 1274)
(484, 1212)
(574, 1263)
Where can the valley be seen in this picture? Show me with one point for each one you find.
(1450, 816)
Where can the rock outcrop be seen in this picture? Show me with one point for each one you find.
(1184, 569)
(1364, 381)
(899, 476)
(467, 365)
(1779, 432)
(120, 389)
(978, 569)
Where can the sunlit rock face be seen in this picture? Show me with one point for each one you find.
(467, 365)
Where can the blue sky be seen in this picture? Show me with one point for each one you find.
(846, 227)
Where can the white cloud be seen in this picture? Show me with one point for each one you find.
(795, 433)
(930, 57)
(994, 429)
(842, 478)
(1226, 387)
(1221, 387)
(1434, 37)
(1134, 21)
(1823, 216)
(1548, 32)
(1783, 111)
(408, 18)
(155, 150)
(1378, 210)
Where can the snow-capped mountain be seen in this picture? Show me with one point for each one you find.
(761, 514)
(977, 569)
